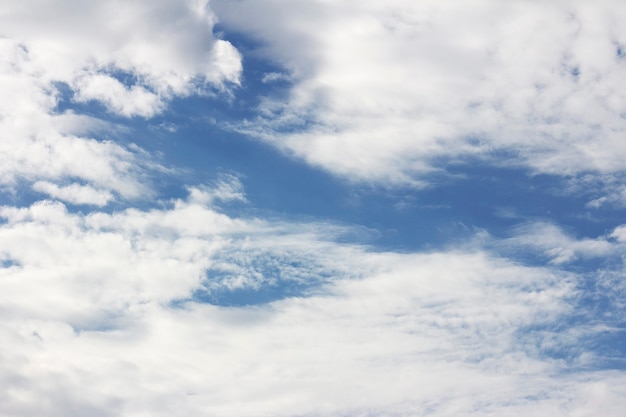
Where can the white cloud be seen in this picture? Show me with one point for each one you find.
(164, 44)
(610, 188)
(34, 149)
(384, 91)
(98, 319)
(130, 56)
(558, 246)
(620, 233)
(108, 262)
(74, 193)
(118, 98)
(38, 144)
(272, 77)
(227, 188)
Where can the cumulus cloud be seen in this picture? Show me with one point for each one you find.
(167, 46)
(132, 57)
(388, 92)
(38, 146)
(119, 327)
(118, 98)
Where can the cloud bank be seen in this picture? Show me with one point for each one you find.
(102, 318)
(390, 93)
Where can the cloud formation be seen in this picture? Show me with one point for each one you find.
(74, 193)
(118, 325)
(165, 46)
(389, 92)
(131, 57)
(165, 305)
(558, 247)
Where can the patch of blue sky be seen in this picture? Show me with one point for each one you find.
(268, 284)
(9, 263)
(475, 197)
(252, 296)
(64, 94)
(260, 278)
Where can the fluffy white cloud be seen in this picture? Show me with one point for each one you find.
(120, 99)
(130, 56)
(167, 46)
(74, 193)
(387, 91)
(99, 318)
(38, 145)
(157, 256)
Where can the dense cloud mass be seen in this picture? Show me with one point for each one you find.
(393, 89)
(115, 327)
(99, 316)
(129, 286)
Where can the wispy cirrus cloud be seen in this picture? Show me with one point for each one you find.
(559, 247)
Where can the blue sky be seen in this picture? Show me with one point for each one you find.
(312, 208)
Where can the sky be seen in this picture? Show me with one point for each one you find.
(312, 208)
